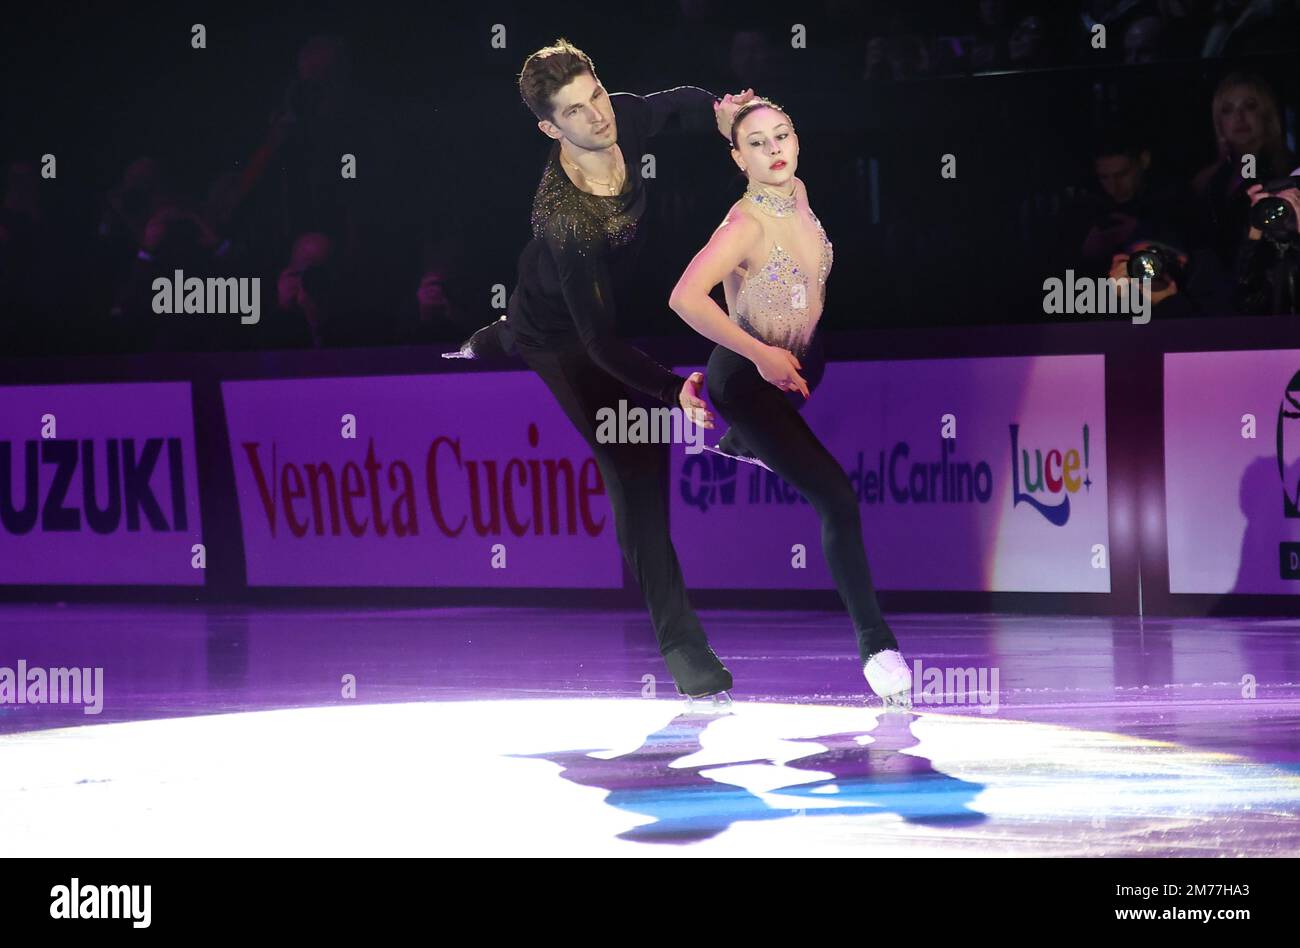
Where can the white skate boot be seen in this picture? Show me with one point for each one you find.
(888, 675)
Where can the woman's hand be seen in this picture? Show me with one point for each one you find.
(780, 367)
(694, 406)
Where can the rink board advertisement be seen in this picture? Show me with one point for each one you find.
(98, 485)
(1015, 502)
(429, 481)
(1232, 471)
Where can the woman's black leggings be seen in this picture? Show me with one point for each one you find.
(767, 422)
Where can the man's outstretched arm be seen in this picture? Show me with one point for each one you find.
(690, 106)
(585, 283)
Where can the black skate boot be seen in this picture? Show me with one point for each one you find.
(700, 674)
(730, 446)
(493, 344)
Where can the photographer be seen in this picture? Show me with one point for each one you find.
(1165, 266)
(175, 237)
(1183, 283)
(1269, 258)
(1131, 202)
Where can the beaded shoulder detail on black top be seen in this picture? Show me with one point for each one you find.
(566, 216)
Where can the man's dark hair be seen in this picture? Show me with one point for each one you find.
(549, 70)
(1118, 142)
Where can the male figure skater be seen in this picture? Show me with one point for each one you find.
(562, 317)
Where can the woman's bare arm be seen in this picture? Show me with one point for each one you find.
(734, 241)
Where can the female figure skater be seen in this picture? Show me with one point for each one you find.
(772, 258)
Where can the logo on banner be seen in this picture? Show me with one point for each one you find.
(1288, 454)
(1046, 481)
(708, 480)
(120, 470)
(451, 490)
(1288, 445)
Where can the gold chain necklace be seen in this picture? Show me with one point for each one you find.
(614, 185)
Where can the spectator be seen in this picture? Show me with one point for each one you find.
(989, 49)
(896, 57)
(1030, 46)
(431, 315)
(302, 304)
(1132, 203)
(1250, 26)
(1246, 121)
(1144, 41)
(175, 238)
(126, 212)
(1268, 266)
(1193, 286)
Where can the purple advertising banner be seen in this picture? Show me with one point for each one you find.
(440, 480)
(1232, 471)
(971, 474)
(98, 485)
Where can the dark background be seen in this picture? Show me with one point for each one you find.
(449, 157)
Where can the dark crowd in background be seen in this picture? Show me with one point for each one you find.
(225, 161)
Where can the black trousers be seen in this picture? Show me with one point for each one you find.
(634, 481)
(767, 423)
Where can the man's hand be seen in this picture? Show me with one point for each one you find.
(1161, 289)
(694, 406)
(725, 111)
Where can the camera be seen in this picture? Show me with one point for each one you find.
(1154, 262)
(1273, 216)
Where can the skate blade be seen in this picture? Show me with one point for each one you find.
(458, 354)
(898, 701)
(719, 703)
(713, 449)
